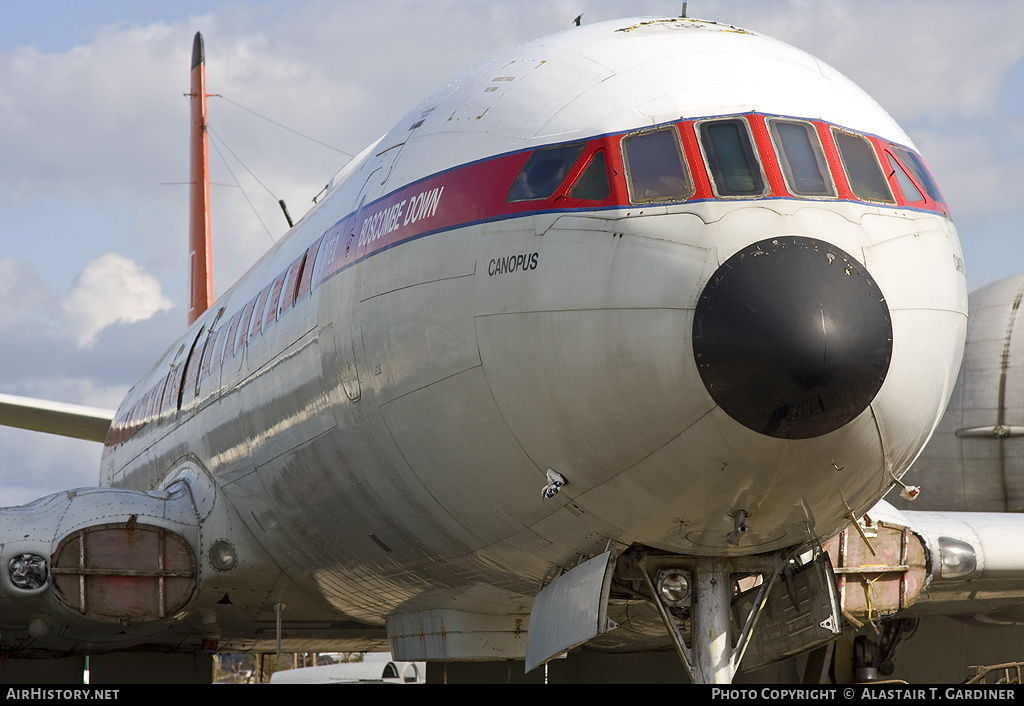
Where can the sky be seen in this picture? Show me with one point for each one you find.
(94, 148)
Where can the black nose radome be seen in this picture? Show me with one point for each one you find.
(792, 337)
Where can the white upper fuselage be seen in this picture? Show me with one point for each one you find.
(386, 437)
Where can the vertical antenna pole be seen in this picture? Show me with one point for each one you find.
(200, 279)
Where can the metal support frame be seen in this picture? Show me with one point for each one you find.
(711, 657)
(278, 609)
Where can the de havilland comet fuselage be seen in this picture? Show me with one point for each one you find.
(652, 283)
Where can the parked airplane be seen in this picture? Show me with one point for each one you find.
(972, 463)
(642, 306)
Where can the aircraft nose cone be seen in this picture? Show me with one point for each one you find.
(792, 337)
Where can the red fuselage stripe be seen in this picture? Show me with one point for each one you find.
(475, 193)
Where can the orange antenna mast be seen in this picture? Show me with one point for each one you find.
(200, 256)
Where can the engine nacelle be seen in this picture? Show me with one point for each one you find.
(92, 555)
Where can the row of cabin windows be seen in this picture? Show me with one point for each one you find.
(657, 171)
(223, 343)
(260, 312)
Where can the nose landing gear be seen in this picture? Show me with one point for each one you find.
(725, 612)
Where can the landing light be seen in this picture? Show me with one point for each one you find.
(957, 558)
(674, 587)
(28, 571)
(222, 555)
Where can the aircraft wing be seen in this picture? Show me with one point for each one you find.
(918, 564)
(60, 418)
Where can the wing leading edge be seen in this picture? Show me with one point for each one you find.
(75, 421)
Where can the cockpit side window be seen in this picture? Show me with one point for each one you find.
(918, 171)
(910, 192)
(732, 159)
(655, 167)
(592, 184)
(801, 158)
(544, 172)
(861, 164)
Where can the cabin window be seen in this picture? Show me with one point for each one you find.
(288, 293)
(133, 418)
(801, 158)
(167, 394)
(324, 256)
(918, 171)
(655, 167)
(543, 172)
(337, 244)
(218, 345)
(257, 312)
(275, 296)
(910, 191)
(192, 365)
(307, 272)
(118, 428)
(592, 184)
(861, 164)
(174, 385)
(229, 343)
(732, 159)
(208, 354)
(244, 323)
(148, 402)
(161, 388)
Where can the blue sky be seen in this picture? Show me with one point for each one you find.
(94, 140)
(58, 25)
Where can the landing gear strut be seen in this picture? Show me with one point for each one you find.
(712, 656)
(706, 593)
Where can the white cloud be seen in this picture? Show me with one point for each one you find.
(978, 176)
(111, 289)
(70, 115)
(940, 59)
(24, 294)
